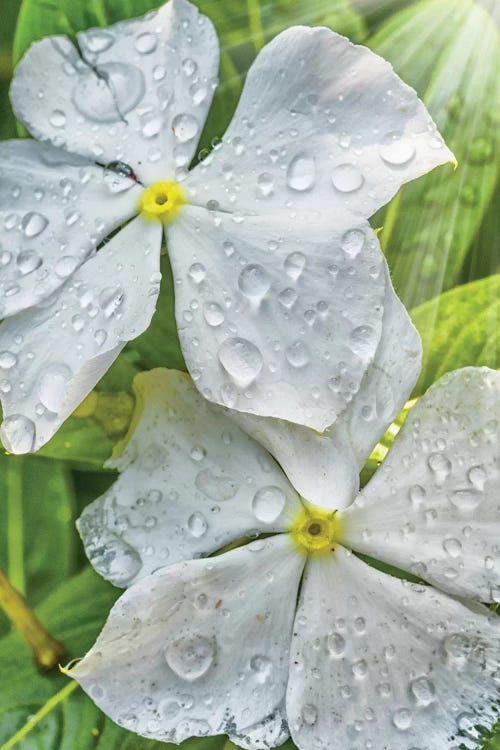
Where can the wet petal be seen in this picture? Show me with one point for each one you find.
(191, 482)
(324, 468)
(138, 93)
(199, 648)
(432, 507)
(378, 662)
(52, 355)
(273, 319)
(323, 128)
(55, 209)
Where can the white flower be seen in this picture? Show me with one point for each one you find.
(278, 276)
(215, 646)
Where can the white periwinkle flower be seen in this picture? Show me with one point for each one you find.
(278, 276)
(362, 659)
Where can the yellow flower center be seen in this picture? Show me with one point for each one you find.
(315, 530)
(161, 201)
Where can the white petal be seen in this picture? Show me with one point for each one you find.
(139, 92)
(432, 507)
(52, 355)
(378, 662)
(55, 209)
(325, 468)
(322, 127)
(199, 648)
(274, 320)
(191, 482)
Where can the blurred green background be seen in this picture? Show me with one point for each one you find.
(441, 236)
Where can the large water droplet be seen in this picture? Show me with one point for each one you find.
(185, 127)
(215, 487)
(146, 43)
(363, 341)
(18, 434)
(108, 96)
(116, 561)
(440, 466)
(268, 503)
(52, 387)
(97, 40)
(265, 183)
(28, 261)
(197, 525)
(7, 360)
(301, 173)
(397, 150)
(111, 299)
(294, 265)
(465, 500)
(297, 354)
(402, 719)
(335, 644)
(57, 118)
(197, 272)
(190, 657)
(352, 242)
(347, 178)
(118, 176)
(241, 359)
(262, 667)
(423, 691)
(34, 224)
(254, 281)
(213, 314)
(452, 547)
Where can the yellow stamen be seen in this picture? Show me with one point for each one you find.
(315, 531)
(161, 201)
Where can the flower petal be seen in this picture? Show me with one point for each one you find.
(325, 468)
(274, 320)
(53, 355)
(432, 507)
(199, 648)
(55, 209)
(323, 128)
(191, 482)
(139, 92)
(378, 662)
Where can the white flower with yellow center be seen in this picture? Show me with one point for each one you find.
(279, 279)
(294, 633)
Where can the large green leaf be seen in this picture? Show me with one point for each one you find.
(459, 328)
(428, 230)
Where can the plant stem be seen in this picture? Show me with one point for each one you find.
(47, 651)
(255, 22)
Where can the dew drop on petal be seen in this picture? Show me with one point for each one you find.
(197, 525)
(98, 40)
(268, 503)
(363, 341)
(297, 354)
(52, 386)
(57, 119)
(185, 127)
(190, 657)
(352, 242)
(18, 434)
(28, 261)
(335, 644)
(347, 178)
(34, 223)
(213, 314)
(254, 281)
(146, 43)
(117, 561)
(197, 272)
(301, 173)
(422, 690)
(402, 719)
(294, 265)
(7, 360)
(397, 150)
(241, 359)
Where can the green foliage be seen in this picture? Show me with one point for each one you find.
(429, 228)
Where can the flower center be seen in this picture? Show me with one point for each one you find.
(315, 530)
(161, 201)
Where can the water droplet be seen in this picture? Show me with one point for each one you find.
(457, 648)
(213, 314)
(352, 242)
(360, 668)
(452, 547)
(197, 525)
(146, 43)
(108, 96)
(262, 667)
(7, 360)
(402, 719)
(100, 337)
(423, 690)
(52, 387)
(241, 359)
(268, 503)
(185, 127)
(117, 561)
(97, 40)
(28, 261)
(477, 476)
(335, 644)
(347, 178)
(254, 281)
(417, 494)
(189, 67)
(218, 488)
(294, 265)
(309, 714)
(118, 176)
(297, 354)
(111, 299)
(265, 183)
(152, 128)
(363, 341)
(465, 500)
(190, 657)
(396, 150)
(301, 173)
(197, 272)
(57, 119)
(34, 224)
(439, 465)
(18, 434)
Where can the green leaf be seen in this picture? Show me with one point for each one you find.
(48, 712)
(37, 539)
(459, 328)
(429, 227)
